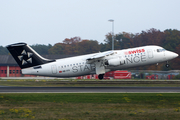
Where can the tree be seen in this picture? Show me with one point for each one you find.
(172, 39)
(75, 46)
(56, 49)
(71, 45)
(41, 49)
(108, 42)
(176, 62)
(88, 46)
(73, 40)
(148, 37)
(123, 40)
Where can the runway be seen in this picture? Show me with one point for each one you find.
(4, 89)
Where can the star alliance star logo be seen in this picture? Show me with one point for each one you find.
(25, 57)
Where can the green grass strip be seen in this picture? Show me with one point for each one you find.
(85, 106)
(92, 97)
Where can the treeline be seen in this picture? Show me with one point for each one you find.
(169, 39)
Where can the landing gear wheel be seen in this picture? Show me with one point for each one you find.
(101, 76)
(167, 65)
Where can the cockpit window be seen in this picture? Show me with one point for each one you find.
(160, 50)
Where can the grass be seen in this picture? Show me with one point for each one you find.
(91, 106)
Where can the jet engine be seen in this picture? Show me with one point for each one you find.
(115, 61)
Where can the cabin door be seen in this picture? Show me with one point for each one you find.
(54, 69)
(150, 54)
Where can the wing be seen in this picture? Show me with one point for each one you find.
(100, 69)
(98, 56)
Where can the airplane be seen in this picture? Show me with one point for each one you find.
(97, 63)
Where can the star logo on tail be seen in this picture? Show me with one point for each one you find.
(25, 57)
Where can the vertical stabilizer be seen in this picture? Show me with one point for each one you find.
(25, 56)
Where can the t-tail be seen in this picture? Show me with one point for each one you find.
(25, 56)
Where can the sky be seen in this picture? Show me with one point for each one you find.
(51, 21)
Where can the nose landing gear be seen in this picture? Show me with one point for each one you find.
(167, 65)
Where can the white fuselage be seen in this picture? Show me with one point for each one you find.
(78, 66)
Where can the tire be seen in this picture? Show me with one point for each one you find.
(167, 65)
(101, 76)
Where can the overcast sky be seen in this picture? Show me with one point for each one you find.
(51, 21)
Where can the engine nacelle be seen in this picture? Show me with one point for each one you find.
(115, 61)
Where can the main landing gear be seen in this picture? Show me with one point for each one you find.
(101, 76)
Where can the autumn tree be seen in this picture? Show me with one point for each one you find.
(149, 37)
(75, 46)
(88, 46)
(71, 45)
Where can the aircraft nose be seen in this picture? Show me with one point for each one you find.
(175, 55)
(172, 55)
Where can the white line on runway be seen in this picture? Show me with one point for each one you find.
(86, 92)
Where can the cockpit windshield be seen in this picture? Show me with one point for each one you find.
(160, 50)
